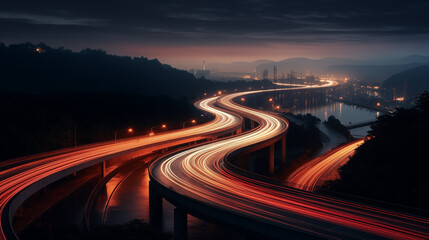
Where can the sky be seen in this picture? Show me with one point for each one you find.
(184, 33)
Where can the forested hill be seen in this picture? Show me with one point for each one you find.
(30, 68)
(409, 83)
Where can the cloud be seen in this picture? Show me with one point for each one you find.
(50, 20)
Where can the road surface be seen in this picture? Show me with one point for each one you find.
(199, 174)
(314, 173)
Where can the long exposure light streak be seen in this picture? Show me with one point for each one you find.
(323, 168)
(199, 173)
(18, 177)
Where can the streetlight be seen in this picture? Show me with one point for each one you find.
(151, 133)
(243, 99)
(193, 121)
(129, 130)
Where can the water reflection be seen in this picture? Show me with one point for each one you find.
(347, 114)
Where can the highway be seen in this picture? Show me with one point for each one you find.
(20, 178)
(198, 175)
(323, 168)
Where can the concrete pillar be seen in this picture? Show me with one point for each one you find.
(180, 224)
(103, 169)
(283, 143)
(271, 163)
(155, 207)
(252, 124)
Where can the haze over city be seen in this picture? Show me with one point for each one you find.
(184, 34)
(232, 120)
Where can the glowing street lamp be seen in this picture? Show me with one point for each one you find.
(243, 99)
(193, 121)
(270, 99)
(151, 133)
(129, 130)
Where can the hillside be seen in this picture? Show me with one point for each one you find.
(392, 165)
(409, 83)
(30, 68)
(370, 73)
(315, 66)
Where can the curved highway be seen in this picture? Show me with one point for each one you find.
(22, 177)
(323, 168)
(198, 175)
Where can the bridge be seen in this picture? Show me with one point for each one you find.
(361, 124)
(197, 182)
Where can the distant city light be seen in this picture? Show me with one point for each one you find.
(400, 99)
(39, 50)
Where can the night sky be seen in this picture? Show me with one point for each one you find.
(182, 32)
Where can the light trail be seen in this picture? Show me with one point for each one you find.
(15, 179)
(199, 173)
(323, 168)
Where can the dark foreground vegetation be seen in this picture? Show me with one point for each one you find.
(335, 124)
(47, 95)
(392, 165)
(31, 68)
(38, 123)
(303, 139)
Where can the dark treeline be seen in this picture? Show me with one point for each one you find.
(31, 68)
(38, 123)
(336, 125)
(47, 93)
(303, 139)
(393, 164)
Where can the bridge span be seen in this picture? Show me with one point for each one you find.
(197, 182)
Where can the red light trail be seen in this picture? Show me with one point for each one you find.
(199, 173)
(323, 168)
(24, 172)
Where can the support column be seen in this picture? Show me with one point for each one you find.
(252, 124)
(271, 163)
(155, 207)
(180, 224)
(283, 143)
(238, 131)
(103, 169)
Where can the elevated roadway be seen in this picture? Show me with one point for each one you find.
(20, 178)
(197, 182)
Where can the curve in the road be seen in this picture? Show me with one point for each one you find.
(20, 181)
(196, 178)
(323, 168)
